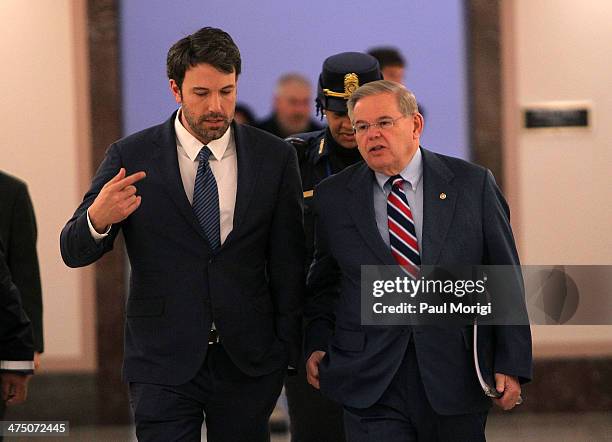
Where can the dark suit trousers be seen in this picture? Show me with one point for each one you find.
(236, 407)
(313, 417)
(404, 414)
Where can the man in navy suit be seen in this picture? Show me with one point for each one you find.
(18, 234)
(215, 240)
(405, 383)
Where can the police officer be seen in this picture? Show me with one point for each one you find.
(322, 153)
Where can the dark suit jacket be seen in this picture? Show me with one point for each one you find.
(18, 233)
(15, 328)
(470, 226)
(251, 287)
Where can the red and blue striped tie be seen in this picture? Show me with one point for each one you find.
(402, 235)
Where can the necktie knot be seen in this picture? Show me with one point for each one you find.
(204, 154)
(396, 181)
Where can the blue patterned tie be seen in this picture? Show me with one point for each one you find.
(206, 200)
(402, 234)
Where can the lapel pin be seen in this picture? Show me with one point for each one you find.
(442, 196)
(321, 145)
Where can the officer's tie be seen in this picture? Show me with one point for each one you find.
(206, 200)
(402, 235)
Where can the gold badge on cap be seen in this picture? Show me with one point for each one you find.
(351, 84)
(442, 196)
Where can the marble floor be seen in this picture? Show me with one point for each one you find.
(589, 427)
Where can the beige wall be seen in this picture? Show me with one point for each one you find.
(45, 141)
(559, 180)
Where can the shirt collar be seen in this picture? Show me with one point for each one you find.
(192, 145)
(412, 173)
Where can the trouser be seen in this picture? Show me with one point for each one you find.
(404, 414)
(236, 407)
(313, 417)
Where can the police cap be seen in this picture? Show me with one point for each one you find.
(341, 75)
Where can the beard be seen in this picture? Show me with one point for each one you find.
(203, 128)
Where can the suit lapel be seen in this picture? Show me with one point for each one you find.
(165, 160)
(248, 161)
(361, 208)
(439, 201)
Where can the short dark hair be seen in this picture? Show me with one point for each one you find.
(208, 45)
(387, 56)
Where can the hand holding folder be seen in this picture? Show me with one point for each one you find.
(488, 379)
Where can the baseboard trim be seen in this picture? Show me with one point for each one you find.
(559, 385)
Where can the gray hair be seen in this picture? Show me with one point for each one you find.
(291, 77)
(406, 101)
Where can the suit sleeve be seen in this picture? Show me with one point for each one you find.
(323, 288)
(22, 261)
(286, 250)
(15, 328)
(513, 354)
(76, 243)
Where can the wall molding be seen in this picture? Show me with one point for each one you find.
(106, 127)
(484, 84)
(559, 386)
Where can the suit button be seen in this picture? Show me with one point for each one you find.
(210, 261)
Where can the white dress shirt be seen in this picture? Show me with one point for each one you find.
(223, 164)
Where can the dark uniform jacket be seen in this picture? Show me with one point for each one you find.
(320, 157)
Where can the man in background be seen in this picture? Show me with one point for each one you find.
(21, 287)
(392, 63)
(19, 234)
(292, 107)
(323, 153)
